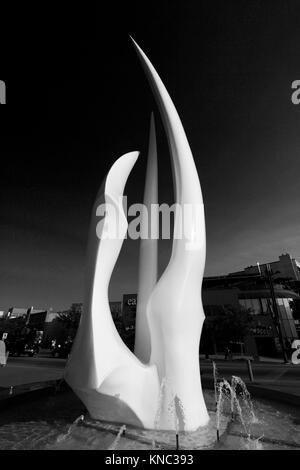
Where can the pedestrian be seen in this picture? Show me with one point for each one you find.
(227, 353)
(3, 353)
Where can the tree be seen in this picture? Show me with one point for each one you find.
(12, 326)
(228, 324)
(69, 319)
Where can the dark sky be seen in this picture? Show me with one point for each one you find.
(77, 99)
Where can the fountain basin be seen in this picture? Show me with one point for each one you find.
(46, 423)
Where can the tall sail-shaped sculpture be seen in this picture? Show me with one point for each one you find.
(113, 383)
(148, 252)
(175, 309)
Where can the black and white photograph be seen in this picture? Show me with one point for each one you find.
(150, 228)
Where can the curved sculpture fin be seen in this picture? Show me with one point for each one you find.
(97, 337)
(113, 384)
(174, 310)
(188, 193)
(148, 251)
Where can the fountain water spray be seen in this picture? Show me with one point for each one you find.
(176, 424)
(245, 412)
(254, 444)
(160, 404)
(174, 408)
(215, 374)
(63, 437)
(226, 391)
(237, 382)
(114, 444)
(220, 401)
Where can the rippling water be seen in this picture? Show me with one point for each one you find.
(45, 423)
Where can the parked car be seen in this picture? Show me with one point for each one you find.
(19, 347)
(31, 349)
(62, 350)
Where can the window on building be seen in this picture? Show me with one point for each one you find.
(286, 321)
(251, 304)
(266, 307)
(288, 309)
(256, 306)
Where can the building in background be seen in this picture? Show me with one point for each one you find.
(286, 267)
(60, 326)
(252, 294)
(51, 316)
(34, 318)
(116, 310)
(23, 325)
(14, 312)
(77, 307)
(129, 311)
(242, 292)
(245, 290)
(52, 329)
(55, 329)
(127, 326)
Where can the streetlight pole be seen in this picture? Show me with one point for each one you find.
(275, 315)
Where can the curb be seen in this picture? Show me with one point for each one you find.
(32, 390)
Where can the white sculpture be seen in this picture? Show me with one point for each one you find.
(163, 389)
(148, 254)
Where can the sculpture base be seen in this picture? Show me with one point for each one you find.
(107, 408)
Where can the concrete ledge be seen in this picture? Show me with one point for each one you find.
(127, 434)
(19, 393)
(204, 438)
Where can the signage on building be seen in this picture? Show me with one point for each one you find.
(262, 330)
(129, 310)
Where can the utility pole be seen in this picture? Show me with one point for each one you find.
(275, 315)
